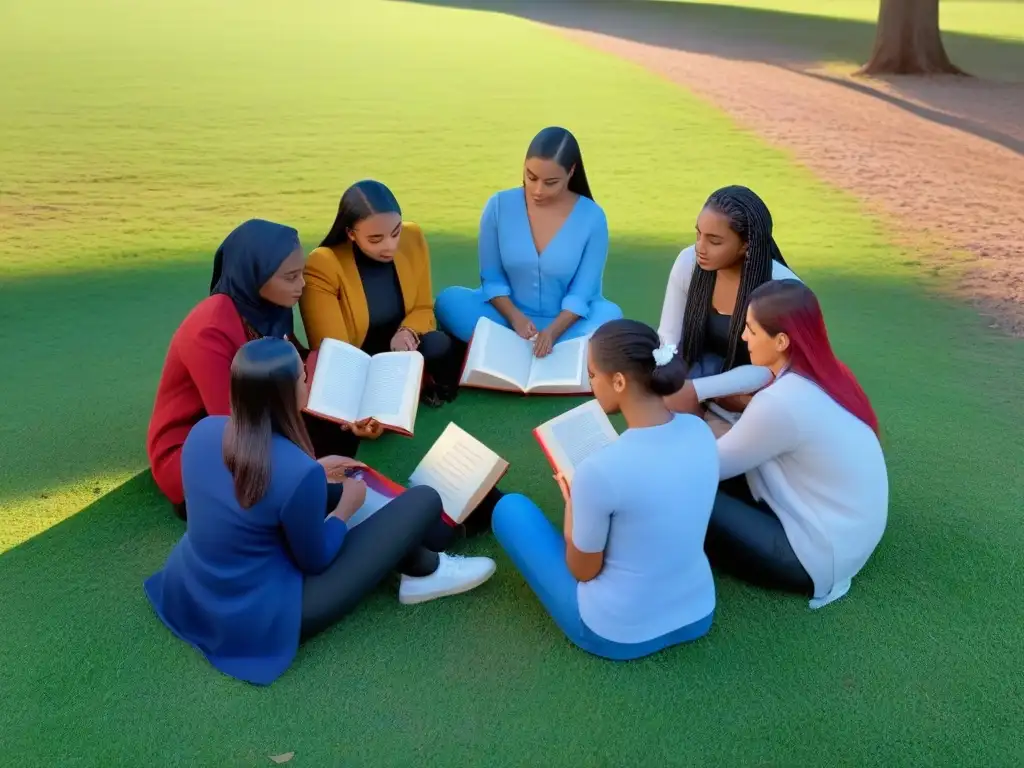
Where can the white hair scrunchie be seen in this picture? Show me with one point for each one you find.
(663, 355)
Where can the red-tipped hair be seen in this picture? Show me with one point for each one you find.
(790, 307)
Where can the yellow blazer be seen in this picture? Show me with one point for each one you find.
(333, 303)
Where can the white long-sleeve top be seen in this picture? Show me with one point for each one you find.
(822, 472)
(670, 328)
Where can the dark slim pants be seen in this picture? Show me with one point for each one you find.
(443, 356)
(387, 541)
(747, 540)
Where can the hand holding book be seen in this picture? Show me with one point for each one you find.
(499, 358)
(543, 343)
(337, 468)
(353, 498)
(563, 486)
(524, 326)
(365, 394)
(571, 437)
(366, 429)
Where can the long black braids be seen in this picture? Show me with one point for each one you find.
(749, 218)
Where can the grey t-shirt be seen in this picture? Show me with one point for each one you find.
(645, 500)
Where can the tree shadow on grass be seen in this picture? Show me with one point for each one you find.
(86, 351)
(795, 41)
(85, 654)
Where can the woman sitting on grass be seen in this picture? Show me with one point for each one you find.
(814, 502)
(368, 284)
(708, 289)
(543, 248)
(260, 567)
(257, 280)
(628, 576)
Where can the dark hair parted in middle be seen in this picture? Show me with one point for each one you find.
(264, 400)
(751, 220)
(360, 201)
(628, 347)
(558, 144)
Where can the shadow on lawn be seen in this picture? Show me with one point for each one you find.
(86, 652)
(80, 401)
(90, 347)
(795, 41)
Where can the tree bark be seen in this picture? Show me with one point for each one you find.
(908, 41)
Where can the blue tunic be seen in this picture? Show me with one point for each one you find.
(232, 586)
(566, 276)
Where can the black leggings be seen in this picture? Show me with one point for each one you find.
(442, 357)
(387, 541)
(746, 539)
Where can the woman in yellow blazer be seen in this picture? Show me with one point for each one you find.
(368, 284)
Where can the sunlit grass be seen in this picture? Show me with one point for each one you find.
(135, 136)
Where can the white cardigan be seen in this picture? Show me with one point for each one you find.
(822, 472)
(670, 329)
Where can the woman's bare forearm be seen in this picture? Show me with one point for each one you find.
(561, 323)
(507, 309)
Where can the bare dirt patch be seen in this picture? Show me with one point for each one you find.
(942, 155)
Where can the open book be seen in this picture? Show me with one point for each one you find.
(349, 385)
(499, 358)
(574, 435)
(379, 491)
(461, 469)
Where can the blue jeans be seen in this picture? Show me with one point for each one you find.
(709, 364)
(457, 310)
(538, 551)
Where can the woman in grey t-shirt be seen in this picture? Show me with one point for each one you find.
(628, 576)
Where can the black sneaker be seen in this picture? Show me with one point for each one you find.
(430, 396)
(447, 392)
(479, 520)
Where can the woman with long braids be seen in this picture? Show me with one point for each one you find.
(710, 284)
(260, 568)
(813, 504)
(627, 576)
(543, 247)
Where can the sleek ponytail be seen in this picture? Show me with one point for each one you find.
(558, 144)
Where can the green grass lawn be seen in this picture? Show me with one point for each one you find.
(135, 136)
(984, 37)
(985, 18)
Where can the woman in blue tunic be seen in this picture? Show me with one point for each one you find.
(543, 247)
(268, 559)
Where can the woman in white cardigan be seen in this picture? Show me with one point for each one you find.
(814, 501)
(709, 286)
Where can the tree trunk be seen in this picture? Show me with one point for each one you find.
(908, 41)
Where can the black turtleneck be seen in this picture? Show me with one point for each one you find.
(384, 301)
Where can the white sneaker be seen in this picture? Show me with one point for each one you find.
(455, 574)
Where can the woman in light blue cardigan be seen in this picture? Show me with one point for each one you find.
(543, 248)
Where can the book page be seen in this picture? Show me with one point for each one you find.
(456, 466)
(338, 380)
(563, 367)
(575, 435)
(378, 494)
(501, 352)
(392, 384)
(375, 500)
